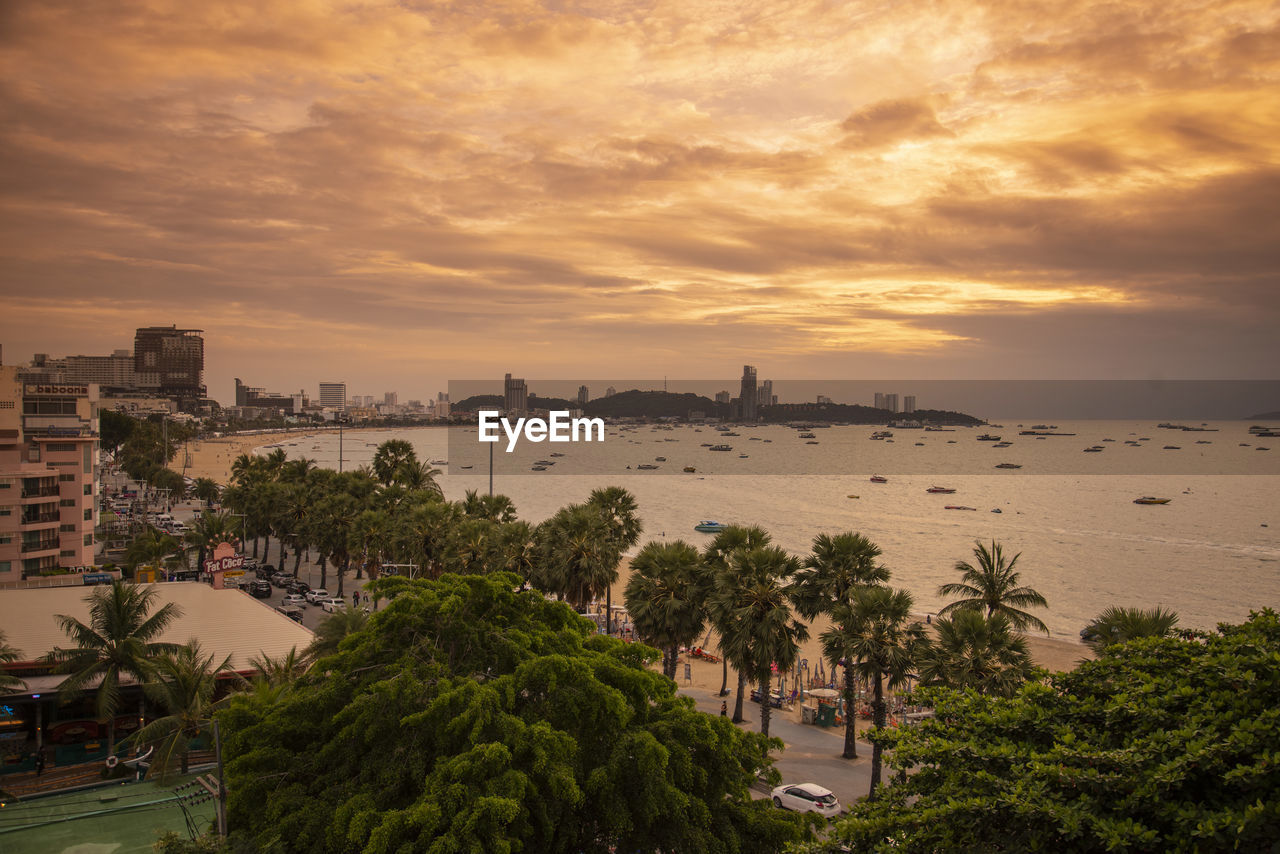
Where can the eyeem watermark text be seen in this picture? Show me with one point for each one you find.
(560, 428)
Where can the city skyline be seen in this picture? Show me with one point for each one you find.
(402, 197)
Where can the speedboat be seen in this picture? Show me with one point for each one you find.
(647, 467)
(958, 507)
(1008, 466)
(942, 490)
(1147, 499)
(875, 478)
(690, 469)
(709, 527)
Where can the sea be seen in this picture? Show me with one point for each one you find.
(1212, 553)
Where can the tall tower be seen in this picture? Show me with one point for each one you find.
(584, 394)
(333, 396)
(170, 361)
(515, 394)
(748, 393)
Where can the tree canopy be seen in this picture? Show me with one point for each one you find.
(1161, 744)
(470, 716)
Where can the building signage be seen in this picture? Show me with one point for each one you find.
(222, 564)
(78, 390)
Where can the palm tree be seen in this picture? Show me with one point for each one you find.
(283, 670)
(419, 476)
(206, 490)
(718, 569)
(335, 627)
(495, 508)
(971, 650)
(760, 630)
(388, 459)
(186, 680)
(665, 599)
(618, 506)
(838, 566)
(207, 531)
(120, 640)
(152, 547)
(993, 586)
(580, 560)
(1119, 625)
(8, 654)
(873, 637)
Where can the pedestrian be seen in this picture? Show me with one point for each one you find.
(39, 762)
(355, 598)
(724, 708)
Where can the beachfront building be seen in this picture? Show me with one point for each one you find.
(227, 622)
(909, 404)
(748, 394)
(170, 362)
(333, 396)
(48, 476)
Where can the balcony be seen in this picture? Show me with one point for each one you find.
(41, 517)
(40, 546)
(49, 491)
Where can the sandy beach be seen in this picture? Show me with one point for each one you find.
(212, 458)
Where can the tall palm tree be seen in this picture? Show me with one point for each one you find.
(1119, 625)
(495, 508)
(185, 683)
(873, 636)
(207, 490)
(837, 567)
(718, 569)
(971, 650)
(152, 547)
(579, 560)
(993, 586)
(665, 599)
(119, 640)
(8, 654)
(207, 531)
(618, 506)
(390, 457)
(761, 630)
(282, 670)
(421, 476)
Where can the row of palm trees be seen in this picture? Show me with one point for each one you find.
(759, 600)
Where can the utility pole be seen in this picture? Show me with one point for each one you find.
(222, 786)
(491, 444)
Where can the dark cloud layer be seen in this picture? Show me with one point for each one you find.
(400, 193)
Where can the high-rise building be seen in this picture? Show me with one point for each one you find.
(723, 397)
(333, 396)
(767, 397)
(879, 400)
(748, 395)
(115, 372)
(170, 361)
(584, 394)
(823, 400)
(909, 404)
(390, 398)
(610, 391)
(891, 402)
(48, 475)
(443, 408)
(515, 394)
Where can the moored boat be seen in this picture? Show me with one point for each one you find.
(1148, 499)
(941, 490)
(875, 478)
(709, 527)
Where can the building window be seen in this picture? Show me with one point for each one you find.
(67, 502)
(88, 458)
(5, 539)
(59, 447)
(4, 566)
(6, 511)
(67, 553)
(88, 539)
(67, 529)
(66, 478)
(88, 514)
(88, 489)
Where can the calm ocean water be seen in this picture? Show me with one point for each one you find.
(1211, 554)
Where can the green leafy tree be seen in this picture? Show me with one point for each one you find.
(972, 650)
(390, 457)
(495, 508)
(184, 684)
(580, 557)
(761, 630)
(281, 670)
(665, 599)
(877, 639)
(152, 548)
(837, 567)
(114, 429)
(119, 640)
(472, 717)
(622, 521)
(993, 586)
(1119, 625)
(206, 490)
(335, 628)
(1162, 744)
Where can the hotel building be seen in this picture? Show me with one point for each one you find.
(48, 475)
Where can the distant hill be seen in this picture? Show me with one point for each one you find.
(1274, 415)
(858, 414)
(495, 401)
(655, 404)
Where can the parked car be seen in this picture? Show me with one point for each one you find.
(298, 586)
(259, 589)
(293, 612)
(807, 797)
(281, 579)
(333, 604)
(296, 599)
(314, 596)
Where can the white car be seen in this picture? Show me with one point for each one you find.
(295, 599)
(807, 797)
(332, 605)
(314, 596)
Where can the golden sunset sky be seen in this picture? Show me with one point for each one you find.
(397, 193)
